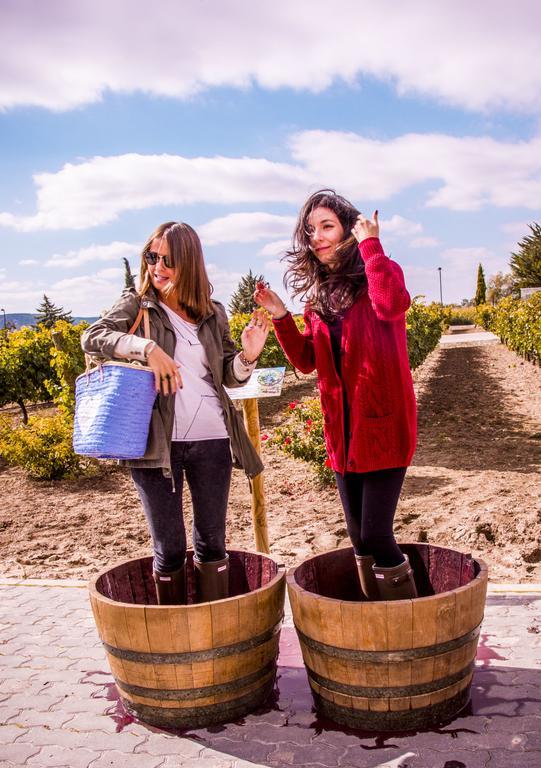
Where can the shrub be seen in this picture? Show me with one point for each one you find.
(424, 325)
(302, 437)
(518, 324)
(462, 315)
(25, 366)
(43, 447)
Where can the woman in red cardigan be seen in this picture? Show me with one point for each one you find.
(355, 336)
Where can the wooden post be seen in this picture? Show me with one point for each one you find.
(259, 514)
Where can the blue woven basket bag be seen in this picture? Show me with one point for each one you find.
(113, 408)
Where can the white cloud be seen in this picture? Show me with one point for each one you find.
(96, 191)
(28, 262)
(465, 174)
(114, 251)
(275, 248)
(60, 55)
(244, 228)
(424, 242)
(223, 281)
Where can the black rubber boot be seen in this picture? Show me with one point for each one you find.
(211, 580)
(395, 583)
(369, 586)
(171, 587)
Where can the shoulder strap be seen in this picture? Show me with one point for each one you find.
(142, 315)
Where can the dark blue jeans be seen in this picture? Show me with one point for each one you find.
(207, 465)
(369, 500)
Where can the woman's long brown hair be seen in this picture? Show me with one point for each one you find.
(190, 285)
(328, 292)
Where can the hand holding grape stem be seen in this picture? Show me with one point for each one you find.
(269, 300)
(365, 228)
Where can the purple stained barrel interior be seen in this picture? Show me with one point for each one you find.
(436, 569)
(132, 582)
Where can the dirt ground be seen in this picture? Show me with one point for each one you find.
(475, 484)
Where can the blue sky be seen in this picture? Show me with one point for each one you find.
(116, 116)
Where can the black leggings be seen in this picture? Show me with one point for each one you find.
(369, 500)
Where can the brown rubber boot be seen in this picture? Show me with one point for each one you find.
(395, 583)
(211, 580)
(171, 587)
(369, 586)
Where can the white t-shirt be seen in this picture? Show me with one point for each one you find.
(198, 411)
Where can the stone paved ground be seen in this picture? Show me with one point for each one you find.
(58, 705)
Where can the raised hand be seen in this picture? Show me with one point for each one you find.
(269, 300)
(255, 334)
(365, 228)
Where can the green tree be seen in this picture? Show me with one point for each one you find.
(48, 313)
(526, 262)
(499, 286)
(129, 280)
(481, 292)
(25, 366)
(242, 301)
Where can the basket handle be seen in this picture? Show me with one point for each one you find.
(141, 315)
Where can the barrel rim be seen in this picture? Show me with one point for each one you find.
(292, 583)
(99, 596)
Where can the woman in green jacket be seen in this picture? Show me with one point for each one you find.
(195, 429)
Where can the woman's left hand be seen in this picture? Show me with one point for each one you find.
(255, 334)
(365, 228)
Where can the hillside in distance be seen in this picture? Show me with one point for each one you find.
(20, 319)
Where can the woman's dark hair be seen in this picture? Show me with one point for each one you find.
(190, 284)
(329, 292)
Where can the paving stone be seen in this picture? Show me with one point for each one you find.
(91, 722)
(116, 759)
(165, 744)
(53, 756)
(293, 754)
(31, 687)
(18, 753)
(29, 717)
(65, 737)
(246, 750)
(26, 701)
(8, 733)
(40, 662)
(525, 724)
(271, 734)
(73, 705)
(428, 758)
(212, 761)
(500, 758)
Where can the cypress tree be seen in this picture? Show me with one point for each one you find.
(129, 280)
(481, 292)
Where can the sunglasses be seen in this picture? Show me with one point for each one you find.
(151, 257)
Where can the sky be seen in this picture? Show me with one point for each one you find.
(118, 115)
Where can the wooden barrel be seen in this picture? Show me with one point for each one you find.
(390, 665)
(191, 665)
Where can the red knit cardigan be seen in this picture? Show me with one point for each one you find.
(375, 371)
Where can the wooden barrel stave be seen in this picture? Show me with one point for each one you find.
(392, 663)
(193, 664)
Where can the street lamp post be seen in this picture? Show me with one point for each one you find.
(441, 294)
(4, 311)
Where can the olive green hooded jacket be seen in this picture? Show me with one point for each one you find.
(213, 331)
